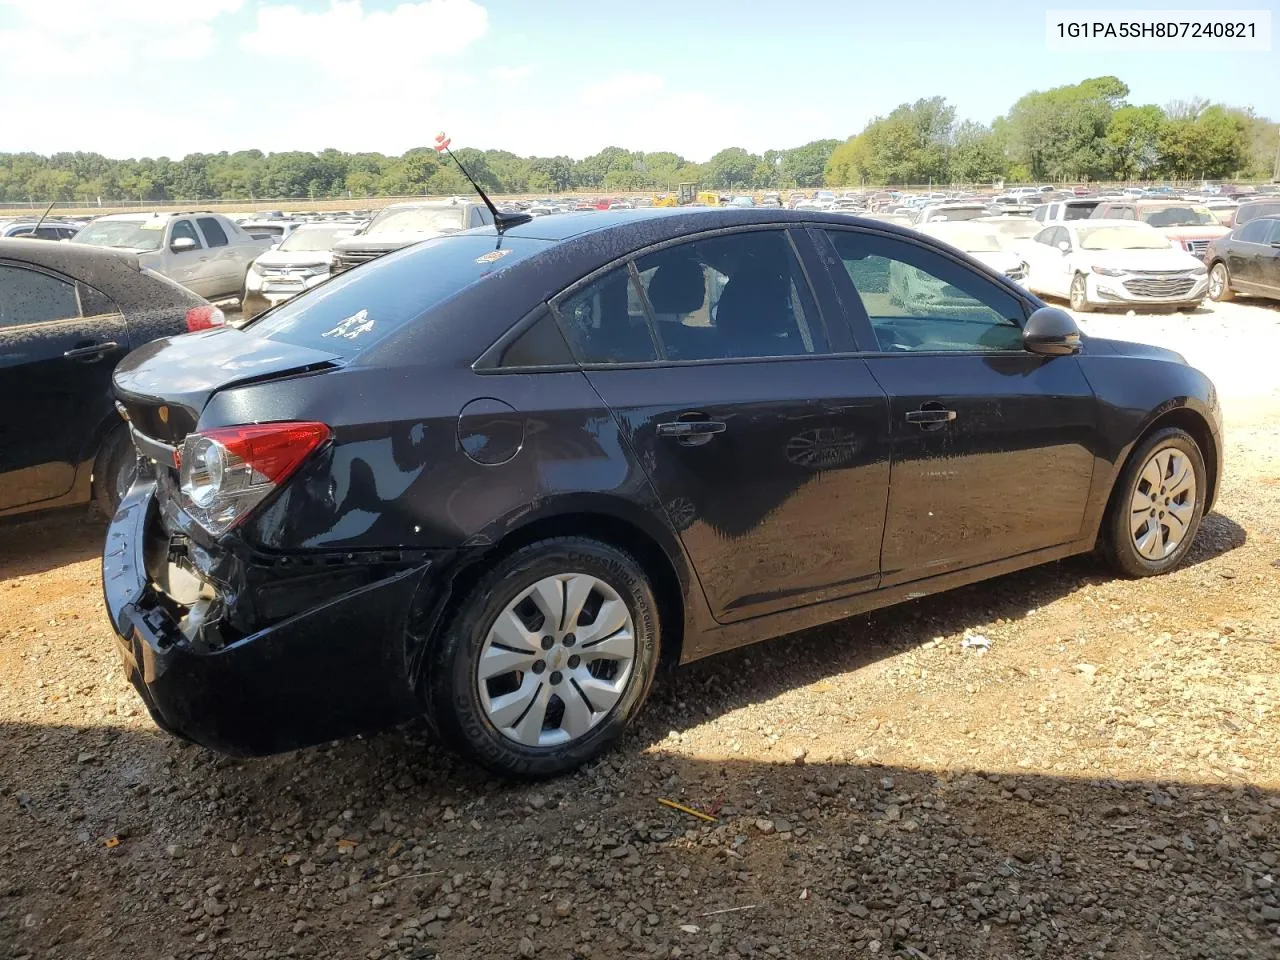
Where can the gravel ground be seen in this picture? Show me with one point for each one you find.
(1103, 780)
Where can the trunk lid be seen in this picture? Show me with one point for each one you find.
(165, 385)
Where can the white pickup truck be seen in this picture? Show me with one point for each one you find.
(205, 252)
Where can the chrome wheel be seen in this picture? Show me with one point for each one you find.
(1079, 293)
(1163, 503)
(556, 660)
(1218, 282)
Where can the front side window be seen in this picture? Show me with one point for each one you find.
(182, 229)
(736, 295)
(1255, 231)
(920, 301)
(28, 296)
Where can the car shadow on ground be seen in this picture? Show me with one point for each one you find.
(820, 859)
(34, 545)
(727, 681)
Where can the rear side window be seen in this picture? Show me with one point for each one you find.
(348, 314)
(1079, 211)
(737, 295)
(605, 321)
(28, 296)
(214, 235)
(541, 345)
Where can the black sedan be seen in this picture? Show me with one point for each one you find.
(1246, 261)
(67, 315)
(497, 478)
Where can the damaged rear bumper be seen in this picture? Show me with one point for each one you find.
(336, 669)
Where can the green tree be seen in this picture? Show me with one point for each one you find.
(731, 167)
(977, 154)
(1061, 133)
(803, 165)
(1133, 141)
(1211, 146)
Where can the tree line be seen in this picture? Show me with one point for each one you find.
(1082, 132)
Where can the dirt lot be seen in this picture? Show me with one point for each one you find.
(1103, 781)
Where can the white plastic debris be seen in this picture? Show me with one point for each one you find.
(977, 642)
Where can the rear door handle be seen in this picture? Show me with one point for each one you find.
(94, 351)
(692, 432)
(931, 416)
(691, 428)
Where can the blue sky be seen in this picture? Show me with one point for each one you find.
(166, 77)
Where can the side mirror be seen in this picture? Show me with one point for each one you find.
(1051, 332)
(183, 244)
(1064, 246)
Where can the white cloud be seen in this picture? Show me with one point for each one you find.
(72, 30)
(510, 74)
(170, 77)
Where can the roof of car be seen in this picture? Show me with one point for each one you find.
(69, 258)
(660, 223)
(115, 272)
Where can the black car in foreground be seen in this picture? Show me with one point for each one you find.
(1246, 261)
(497, 478)
(67, 315)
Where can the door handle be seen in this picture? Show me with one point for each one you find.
(94, 351)
(931, 416)
(692, 433)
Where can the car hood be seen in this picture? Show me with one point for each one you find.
(1138, 261)
(294, 258)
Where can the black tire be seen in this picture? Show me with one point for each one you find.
(1219, 274)
(114, 470)
(1116, 537)
(449, 685)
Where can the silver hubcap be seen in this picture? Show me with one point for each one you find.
(556, 660)
(1077, 292)
(1162, 504)
(1217, 282)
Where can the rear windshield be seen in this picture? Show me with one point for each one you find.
(1250, 211)
(354, 310)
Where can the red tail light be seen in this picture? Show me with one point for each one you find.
(226, 472)
(204, 317)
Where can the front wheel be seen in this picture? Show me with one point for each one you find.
(1080, 294)
(1220, 283)
(1157, 505)
(547, 659)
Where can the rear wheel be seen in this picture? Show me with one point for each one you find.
(1157, 505)
(114, 470)
(547, 659)
(1080, 294)
(1220, 283)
